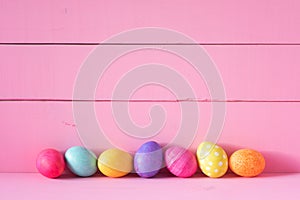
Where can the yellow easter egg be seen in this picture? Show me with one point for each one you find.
(115, 163)
(212, 159)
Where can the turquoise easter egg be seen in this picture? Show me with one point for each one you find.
(81, 161)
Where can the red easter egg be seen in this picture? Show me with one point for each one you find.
(50, 163)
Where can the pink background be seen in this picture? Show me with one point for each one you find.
(255, 46)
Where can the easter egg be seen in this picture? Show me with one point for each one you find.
(247, 162)
(81, 161)
(148, 159)
(50, 163)
(212, 159)
(180, 162)
(115, 163)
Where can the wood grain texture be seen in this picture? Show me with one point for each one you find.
(28, 127)
(94, 21)
(256, 47)
(248, 72)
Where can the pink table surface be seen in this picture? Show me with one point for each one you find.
(33, 186)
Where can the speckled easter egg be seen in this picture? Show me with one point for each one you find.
(81, 161)
(180, 162)
(148, 159)
(50, 163)
(247, 162)
(212, 159)
(115, 163)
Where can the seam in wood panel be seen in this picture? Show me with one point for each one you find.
(95, 44)
(153, 100)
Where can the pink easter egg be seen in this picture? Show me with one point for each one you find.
(181, 162)
(50, 163)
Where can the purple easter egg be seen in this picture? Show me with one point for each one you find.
(148, 159)
(181, 162)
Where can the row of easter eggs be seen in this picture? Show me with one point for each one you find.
(149, 159)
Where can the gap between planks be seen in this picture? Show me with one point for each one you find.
(153, 100)
(96, 43)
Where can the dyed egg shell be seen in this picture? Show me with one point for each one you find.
(115, 163)
(81, 161)
(212, 159)
(148, 159)
(50, 163)
(247, 162)
(180, 162)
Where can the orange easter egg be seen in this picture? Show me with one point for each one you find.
(247, 163)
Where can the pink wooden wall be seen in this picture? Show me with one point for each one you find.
(256, 47)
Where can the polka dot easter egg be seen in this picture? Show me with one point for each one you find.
(212, 159)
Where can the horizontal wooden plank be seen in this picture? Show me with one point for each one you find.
(28, 127)
(248, 72)
(94, 21)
